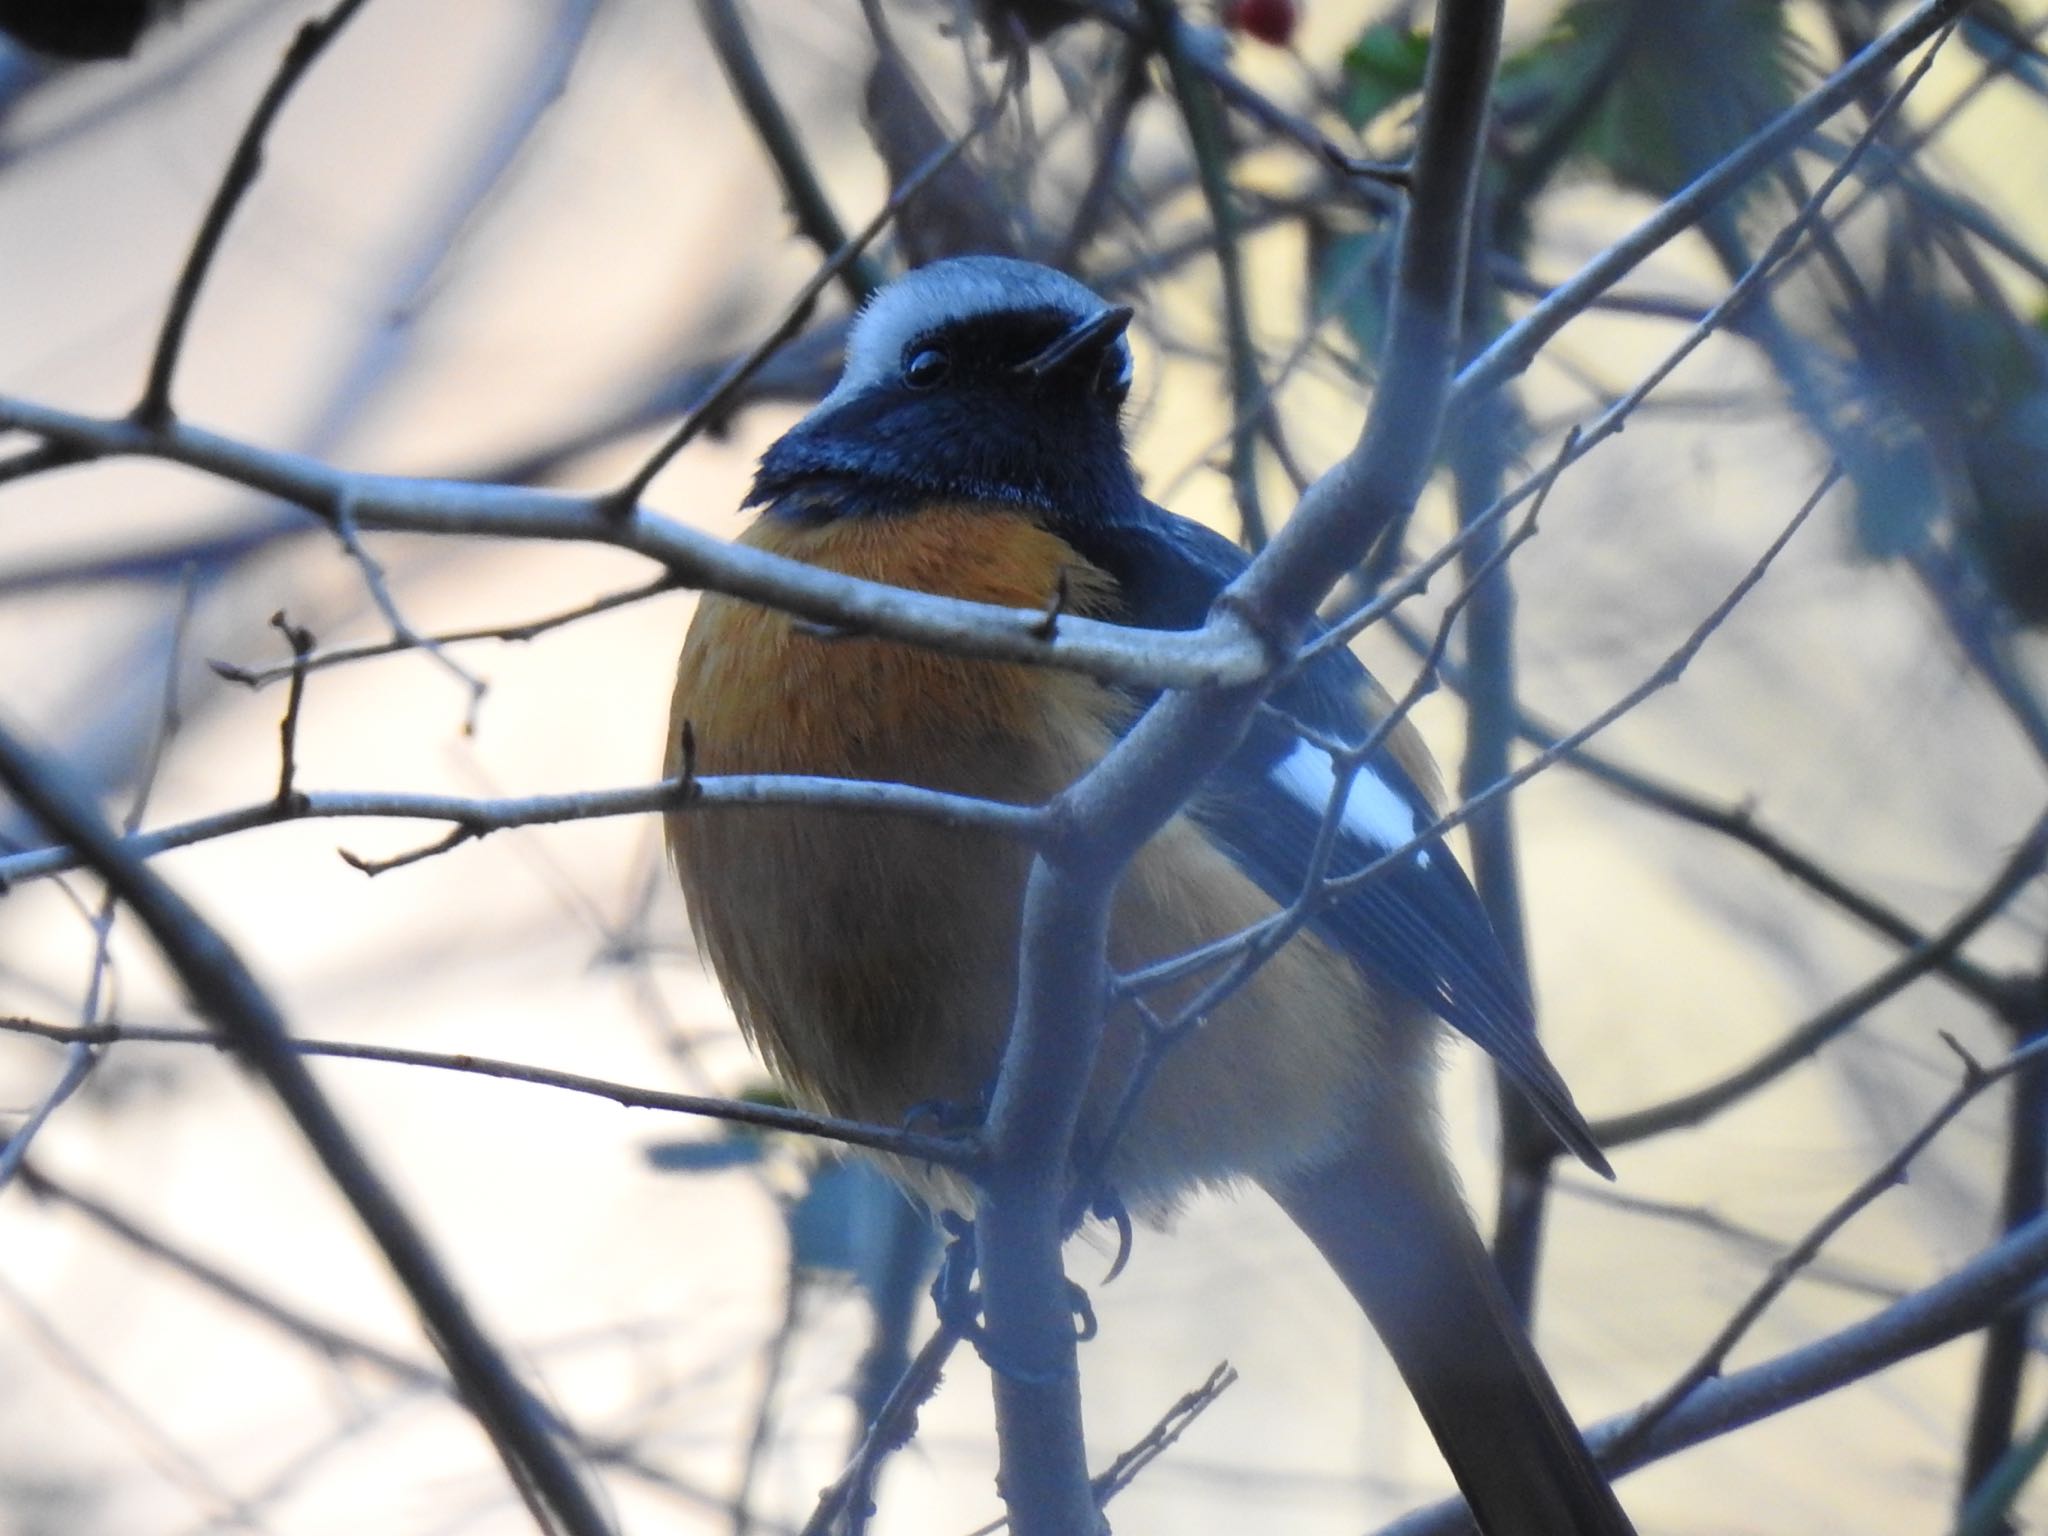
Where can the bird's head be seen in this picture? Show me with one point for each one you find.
(977, 379)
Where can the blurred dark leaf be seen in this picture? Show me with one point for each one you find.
(1650, 93)
(80, 29)
(706, 1156)
(1945, 401)
(1009, 21)
(2008, 526)
(844, 1220)
(1383, 67)
(957, 212)
(1350, 276)
(1898, 486)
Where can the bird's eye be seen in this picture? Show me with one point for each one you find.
(926, 367)
(1113, 374)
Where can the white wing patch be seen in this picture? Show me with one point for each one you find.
(1374, 811)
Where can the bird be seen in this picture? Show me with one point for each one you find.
(974, 446)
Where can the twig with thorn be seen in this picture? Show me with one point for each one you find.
(301, 642)
(1048, 628)
(457, 835)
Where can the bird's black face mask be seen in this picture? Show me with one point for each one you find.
(1015, 408)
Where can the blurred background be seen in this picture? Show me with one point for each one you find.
(515, 242)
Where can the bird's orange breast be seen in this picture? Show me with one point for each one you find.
(872, 959)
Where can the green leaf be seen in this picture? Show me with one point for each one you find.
(1383, 67)
(1649, 92)
(1350, 276)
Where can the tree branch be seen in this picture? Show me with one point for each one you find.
(1221, 653)
(1692, 1108)
(946, 1151)
(1143, 780)
(482, 817)
(1513, 350)
(1996, 1279)
(154, 409)
(222, 987)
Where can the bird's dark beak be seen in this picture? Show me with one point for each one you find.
(1091, 338)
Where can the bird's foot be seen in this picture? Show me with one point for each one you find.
(958, 1297)
(946, 1117)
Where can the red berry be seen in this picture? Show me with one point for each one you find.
(1270, 21)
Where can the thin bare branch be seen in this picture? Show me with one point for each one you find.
(945, 1151)
(483, 816)
(1513, 350)
(154, 409)
(1999, 1277)
(1891, 1172)
(529, 629)
(1690, 1109)
(222, 987)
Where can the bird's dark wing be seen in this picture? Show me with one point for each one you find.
(1417, 925)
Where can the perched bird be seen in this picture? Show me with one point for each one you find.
(973, 447)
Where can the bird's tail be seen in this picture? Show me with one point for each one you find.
(1388, 1216)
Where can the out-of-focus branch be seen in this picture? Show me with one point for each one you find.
(1739, 824)
(323, 1339)
(807, 200)
(1480, 445)
(1375, 183)
(152, 1441)
(1690, 1109)
(1995, 1404)
(223, 988)
(779, 138)
(154, 409)
(1112, 143)
(1513, 350)
(81, 1057)
(1888, 1174)
(1210, 145)
(1961, 1303)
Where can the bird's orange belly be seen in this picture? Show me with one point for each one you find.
(872, 959)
